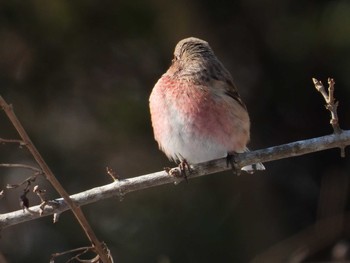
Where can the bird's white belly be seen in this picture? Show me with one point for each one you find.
(183, 142)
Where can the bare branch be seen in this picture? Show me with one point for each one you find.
(339, 139)
(122, 187)
(55, 183)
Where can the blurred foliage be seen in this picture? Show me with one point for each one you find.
(79, 74)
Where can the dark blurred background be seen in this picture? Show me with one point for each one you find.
(79, 74)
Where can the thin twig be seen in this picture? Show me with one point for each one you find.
(112, 174)
(159, 178)
(332, 106)
(55, 183)
(20, 142)
(80, 250)
(28, 181)
(24, 166)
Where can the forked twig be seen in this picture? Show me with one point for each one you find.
(331, 105)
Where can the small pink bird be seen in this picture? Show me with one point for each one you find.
(196, 111)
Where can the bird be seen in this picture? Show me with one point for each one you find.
(196, 111)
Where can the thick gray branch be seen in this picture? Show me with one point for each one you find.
(122, 187)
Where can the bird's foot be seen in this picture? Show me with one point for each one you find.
(183, 166)
(230, 161)
(181, 171)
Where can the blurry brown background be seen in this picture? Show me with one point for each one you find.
(79, 74)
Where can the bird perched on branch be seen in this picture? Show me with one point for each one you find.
(197, 114)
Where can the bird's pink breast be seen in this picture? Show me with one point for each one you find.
(195, 122)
